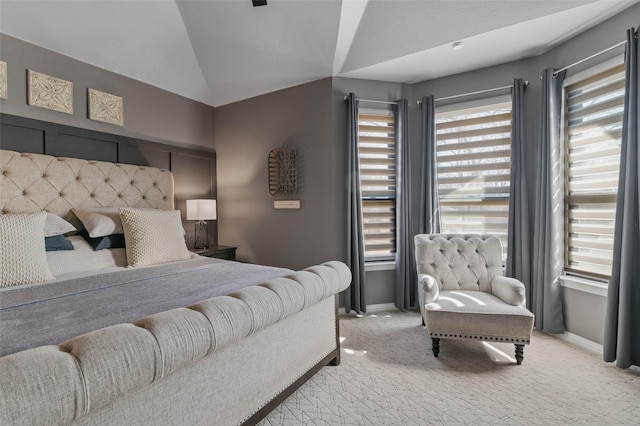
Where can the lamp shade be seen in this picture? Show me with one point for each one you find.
(201, 209)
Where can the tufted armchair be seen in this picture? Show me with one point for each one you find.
(463, 294)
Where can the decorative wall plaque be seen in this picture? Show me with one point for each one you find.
(3, 80)
(105, 107)
(50, 92)
(283, 172)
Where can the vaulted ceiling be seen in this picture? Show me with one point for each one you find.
(222, 51)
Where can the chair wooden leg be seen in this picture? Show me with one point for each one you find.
(519, 354)
(435, 346)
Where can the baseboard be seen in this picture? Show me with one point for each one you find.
(377, 308)
(581, 342)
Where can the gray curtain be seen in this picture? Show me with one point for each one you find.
(405, 293)
(429, 220)
(548, 258)
(518, 255)
(622, 325)
(355, 295)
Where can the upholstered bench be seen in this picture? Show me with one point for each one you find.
(463, 294)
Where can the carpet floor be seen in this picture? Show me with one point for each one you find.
(389, 376)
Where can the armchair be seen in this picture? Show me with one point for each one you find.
(463, 294)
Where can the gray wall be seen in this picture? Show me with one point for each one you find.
(245, 133)
(149, 113)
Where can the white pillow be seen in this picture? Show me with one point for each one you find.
(153, 236)
(100, 221)
(22, 250)
(55, 225)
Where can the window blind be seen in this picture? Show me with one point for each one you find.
(593, 125)
(377, 154)
(473, 154)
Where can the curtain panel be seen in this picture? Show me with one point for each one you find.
(518, 249)
(405, 290)
(429, 220)
(355, 295)
(548, 251)
(622, 323)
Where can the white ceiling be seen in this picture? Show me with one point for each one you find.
(222, 51)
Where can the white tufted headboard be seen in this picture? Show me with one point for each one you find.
(35, 182)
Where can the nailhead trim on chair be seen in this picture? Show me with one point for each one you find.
(490, 338)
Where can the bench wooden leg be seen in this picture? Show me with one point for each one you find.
(519, 354)
(435, 346)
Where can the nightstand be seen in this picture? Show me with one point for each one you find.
(219, 252)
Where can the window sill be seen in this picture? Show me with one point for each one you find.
(584, 285)
(381, 265)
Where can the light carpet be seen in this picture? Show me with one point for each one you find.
(389, 376)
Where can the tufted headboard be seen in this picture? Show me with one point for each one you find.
(35, 182)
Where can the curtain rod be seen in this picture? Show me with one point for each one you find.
(589, 57)
(375, 102)
(526, 83)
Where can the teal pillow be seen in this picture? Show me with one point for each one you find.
(106, 242)
(57, 243)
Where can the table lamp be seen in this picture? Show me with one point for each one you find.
(201, 210)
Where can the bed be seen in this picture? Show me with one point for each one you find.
(140, 330)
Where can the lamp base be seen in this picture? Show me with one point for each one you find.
(202, 235)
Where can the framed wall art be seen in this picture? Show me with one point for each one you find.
(3, 80)
(105, 107)
(50, 92)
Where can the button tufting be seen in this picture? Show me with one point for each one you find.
(106, 180)
(93, 195)
(119, 195)
(144, 197)
(77, 177)
(132, 183)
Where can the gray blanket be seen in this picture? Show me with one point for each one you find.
(51, 313)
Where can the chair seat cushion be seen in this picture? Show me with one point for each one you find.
(463, 314)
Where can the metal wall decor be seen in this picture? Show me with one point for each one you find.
(105, 107)
(50, 92)
(3, 80)
(283, 173)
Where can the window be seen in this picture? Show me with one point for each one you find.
(593, 108)
(377, 153)
(474, 164)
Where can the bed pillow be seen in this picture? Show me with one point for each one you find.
(153, 236)
(23, 256)
(106, 242)
(100, 221)
(55, 225)
(57, 243)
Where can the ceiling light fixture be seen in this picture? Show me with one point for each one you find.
(257, 3)
(457, 45)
